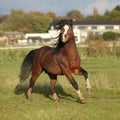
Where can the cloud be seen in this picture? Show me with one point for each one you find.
(101, 5)
(60, 7)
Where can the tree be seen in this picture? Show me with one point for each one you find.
(117, 8)
(95, 11)
(98, 17)
(18, 20)
(107, 12)
(41, 24)
(112, 15)
(2, 18)
(108, 15)
(74, 14)
(51, 15)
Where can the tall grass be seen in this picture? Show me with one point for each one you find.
(102, 103)
(100, 48)
(103, 72)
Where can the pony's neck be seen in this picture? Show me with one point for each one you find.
(70, 47)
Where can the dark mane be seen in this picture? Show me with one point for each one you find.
(60, 24)
(59, 44)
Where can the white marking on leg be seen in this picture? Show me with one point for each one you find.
(55, 96)
(81, 98)
(29, 93)
(88, 85)
(79, 94)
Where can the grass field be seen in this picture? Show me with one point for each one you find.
(102, 104)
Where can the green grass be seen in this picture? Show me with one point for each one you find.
(102, 104)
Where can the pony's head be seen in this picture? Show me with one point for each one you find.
(65, 26)
(65, 31)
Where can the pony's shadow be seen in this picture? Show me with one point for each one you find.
(44, 90)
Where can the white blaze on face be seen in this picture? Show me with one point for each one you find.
(66, 28)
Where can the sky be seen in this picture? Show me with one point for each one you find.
(59, 7)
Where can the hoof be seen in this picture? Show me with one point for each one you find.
(57, 100)
(29, 94)
(89, 90)
(29, 98)
(82, 100)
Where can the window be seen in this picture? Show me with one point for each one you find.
(109, 27)
(76, 38)
(82, 27)
(94, 27)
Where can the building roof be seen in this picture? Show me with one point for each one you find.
(90, 22)
(13, 33)
(95, 22)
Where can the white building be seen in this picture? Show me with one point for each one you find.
(81, 31)
(38, 38)
(82, 28)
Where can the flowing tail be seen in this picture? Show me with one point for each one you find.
(26, 66)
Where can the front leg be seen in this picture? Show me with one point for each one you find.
(75, 85)
(85, 74)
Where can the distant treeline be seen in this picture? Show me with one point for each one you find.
(36, 21)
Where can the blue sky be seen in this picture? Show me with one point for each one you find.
(59, 7)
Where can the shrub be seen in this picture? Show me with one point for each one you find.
(110, 36)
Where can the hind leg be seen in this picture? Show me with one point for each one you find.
(85, 74)
(53, 80)
(31, 84)
(35, 73)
